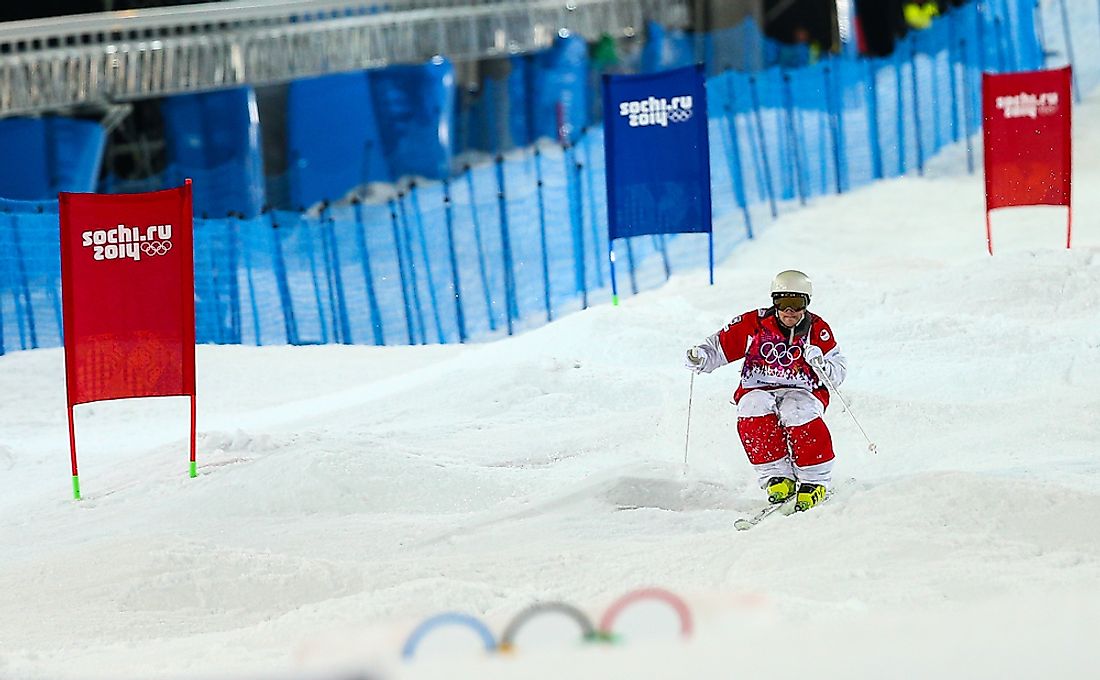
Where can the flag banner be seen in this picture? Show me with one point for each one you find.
(128, 294)
(1027, 124)
(657, 153)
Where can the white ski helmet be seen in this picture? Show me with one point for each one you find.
(792, 282)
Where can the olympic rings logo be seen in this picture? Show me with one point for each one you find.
(588, 632)
(152, 248)
(679, 115)
(779, 353)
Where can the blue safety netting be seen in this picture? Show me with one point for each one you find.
(511, 243)
(1070, 38)
(30, 276)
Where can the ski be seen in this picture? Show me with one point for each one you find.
(787, 507)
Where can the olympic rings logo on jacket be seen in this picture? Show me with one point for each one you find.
(780, 353)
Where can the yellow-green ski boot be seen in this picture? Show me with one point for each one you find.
(809, 495)
(779, 489)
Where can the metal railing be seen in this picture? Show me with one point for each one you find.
(96, 59)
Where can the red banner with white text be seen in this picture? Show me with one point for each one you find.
(1027, 137)
(128, 299)
(127, 279)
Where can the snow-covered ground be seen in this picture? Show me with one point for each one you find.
(345, 493)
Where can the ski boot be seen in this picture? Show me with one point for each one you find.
(779, 489)
(809, 495)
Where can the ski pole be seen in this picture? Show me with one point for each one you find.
(687, 432)
(836, 393)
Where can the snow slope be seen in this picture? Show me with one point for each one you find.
(347, 492)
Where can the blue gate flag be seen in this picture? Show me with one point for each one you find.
(658, 153)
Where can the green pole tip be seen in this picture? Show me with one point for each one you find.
(615, 300)
(76, 488)
(193, 473)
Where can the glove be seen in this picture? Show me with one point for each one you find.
(814, 356)
(694, 360)
(816, 359)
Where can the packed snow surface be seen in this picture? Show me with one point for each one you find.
(345, 493)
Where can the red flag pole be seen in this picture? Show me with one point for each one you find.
(188, 295)
(193, 473)
(72, 455)
(1069, 224)
(988, 232)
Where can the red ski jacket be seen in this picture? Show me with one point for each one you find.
(773, 354)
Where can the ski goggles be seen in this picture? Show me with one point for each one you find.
(792, 303)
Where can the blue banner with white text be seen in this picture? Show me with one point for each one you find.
(657, 152)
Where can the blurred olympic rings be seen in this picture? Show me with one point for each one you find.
(588, 632)
(448, 619)
(508, 638)
(686, 625)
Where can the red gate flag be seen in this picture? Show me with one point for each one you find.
(1028, 142)
(128, 292)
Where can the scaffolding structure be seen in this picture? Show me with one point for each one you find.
(100, 59)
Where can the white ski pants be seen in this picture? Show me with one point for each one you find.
(794, 408)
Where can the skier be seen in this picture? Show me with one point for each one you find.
(782, 395)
